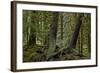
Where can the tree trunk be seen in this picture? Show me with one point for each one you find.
(28, 27)
(81, 42)
(52, 34)
(73, 41)
(32, 31)
(61, 27)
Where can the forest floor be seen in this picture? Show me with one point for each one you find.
(38, 54)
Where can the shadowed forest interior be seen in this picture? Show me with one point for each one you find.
(56, 36)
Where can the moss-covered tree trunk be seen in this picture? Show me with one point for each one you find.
(74, 38)
(52, 34)
(32, 30)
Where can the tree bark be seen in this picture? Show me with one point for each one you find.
(73, 41)
(32, 31)
(52, 34)
(81, 42)
(74, 38)
(61, 27)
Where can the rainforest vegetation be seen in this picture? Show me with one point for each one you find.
(56, 36)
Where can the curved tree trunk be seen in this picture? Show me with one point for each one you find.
(73, 41)
(52, 34)
(74, 38)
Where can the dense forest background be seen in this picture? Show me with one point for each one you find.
(56, 36)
